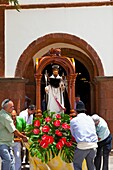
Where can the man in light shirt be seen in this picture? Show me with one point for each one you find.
(27, 114)
(7, 132)
(83, 130)
(104, 142)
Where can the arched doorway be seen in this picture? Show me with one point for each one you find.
(82, 85)
(72, 47)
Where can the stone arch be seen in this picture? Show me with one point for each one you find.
(79, 49)
(49, 39)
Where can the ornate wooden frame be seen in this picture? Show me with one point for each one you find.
(67, 64)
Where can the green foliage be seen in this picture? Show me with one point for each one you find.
(50, 136)
(67, 153)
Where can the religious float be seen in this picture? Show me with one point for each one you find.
(54, 57)
(51, 145)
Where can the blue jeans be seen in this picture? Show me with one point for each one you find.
(7, 157)
(105, 147)
(17, 154)
(80, 155)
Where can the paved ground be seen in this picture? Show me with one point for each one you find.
(26, 167)
(111, 163)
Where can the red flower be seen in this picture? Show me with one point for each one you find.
(57, 132)
(50, 139)
(56, 123)
(45, 137)
(59, 145)
(69, 144)
(58, 116)
(44, 144)
(63, 140)
(46, 128)
(36, 131)
(37, 123)
(65, 126)
(47, 119)
(73, 139)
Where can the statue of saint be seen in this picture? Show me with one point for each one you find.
(57, 98)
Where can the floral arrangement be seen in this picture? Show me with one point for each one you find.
(50, 136)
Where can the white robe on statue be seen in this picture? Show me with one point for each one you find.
(55, 99)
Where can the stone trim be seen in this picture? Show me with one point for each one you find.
(59, 5)
(13, 79)
(106, 78)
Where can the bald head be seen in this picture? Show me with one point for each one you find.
(13, 115)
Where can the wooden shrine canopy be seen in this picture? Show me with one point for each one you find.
(54, 56)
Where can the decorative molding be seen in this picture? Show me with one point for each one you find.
(59, 5)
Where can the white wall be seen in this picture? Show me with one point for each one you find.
(54, 1)
(93, 24)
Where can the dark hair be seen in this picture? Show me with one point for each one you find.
(78, 95)
(80, 107)
(55, 67)
(32, 107)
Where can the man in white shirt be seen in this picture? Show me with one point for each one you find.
(28, 114)
(104, 142)
(83, 130)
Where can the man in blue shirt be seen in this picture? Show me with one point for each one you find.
(104, 142)
(77, 99)
(83, 130)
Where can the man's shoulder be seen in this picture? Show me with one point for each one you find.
(73, 119)
(102, 123)
(80, 101)
(23, 112)
(3, 113)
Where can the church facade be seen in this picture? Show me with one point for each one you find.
(82, 30)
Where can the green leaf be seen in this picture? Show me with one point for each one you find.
(67, 154)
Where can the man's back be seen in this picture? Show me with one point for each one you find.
(83, 128)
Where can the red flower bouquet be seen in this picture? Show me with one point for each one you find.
(50, 136)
